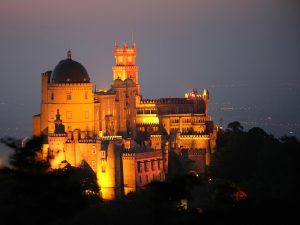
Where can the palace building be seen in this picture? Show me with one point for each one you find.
(124, 138)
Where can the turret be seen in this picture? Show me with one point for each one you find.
(45, 78)
(205, 96)
(165, 154)
(109, 173)
(125, 64)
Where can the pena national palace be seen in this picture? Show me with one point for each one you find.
(127, 140)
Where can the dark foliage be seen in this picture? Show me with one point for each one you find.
(251, 162)
(265, 167)
(30, 193)
(27, 155)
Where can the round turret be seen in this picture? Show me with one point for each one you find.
(129, 82)
(118, 83)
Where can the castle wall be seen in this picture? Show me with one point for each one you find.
(75, 103)
(36, 125)
(109, 172)
(129, 175)
(44, 103)
(148, 168)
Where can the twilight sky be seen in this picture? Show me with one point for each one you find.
(246, 53)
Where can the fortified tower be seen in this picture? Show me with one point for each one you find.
(125, 64)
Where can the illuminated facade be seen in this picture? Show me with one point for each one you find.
(124, 138)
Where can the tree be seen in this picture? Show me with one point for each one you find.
(27, 154)
(235, 127)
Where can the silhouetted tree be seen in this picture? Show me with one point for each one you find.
(27, 155)
(235, 126)
(30, 193)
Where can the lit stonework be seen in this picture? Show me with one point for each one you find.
(125, 139)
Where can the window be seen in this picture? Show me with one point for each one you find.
(69, 96)
(103, 154)
(52, 96)
(129, 59)
(93, 150)
(93, 164)
(153, 167)
(141, 181)
(103, 169)
(69, 115)
(140, 168)
(147, 166)
(86, 95)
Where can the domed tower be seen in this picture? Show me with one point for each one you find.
(67, 89)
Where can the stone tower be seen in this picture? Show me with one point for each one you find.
(125, 64)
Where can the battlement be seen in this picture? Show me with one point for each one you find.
(110, 138)
(68, 85)
(57, 135)
(194, 136)
(169, 101)
(124, 48)
(149, 124)
(155, 136)
(128, 156)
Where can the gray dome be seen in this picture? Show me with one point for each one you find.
(70, 71)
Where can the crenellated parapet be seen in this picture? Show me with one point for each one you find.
(57, 135)
(195, 137)
(111, 138)
(70, 86)
(128, 156)
(149, 101)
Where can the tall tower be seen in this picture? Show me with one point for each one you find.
(125, 64)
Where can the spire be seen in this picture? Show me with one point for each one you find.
(57, 115)
(59, 127)
(134, 45)
(69, 54)
(125, 44)
(132, 40)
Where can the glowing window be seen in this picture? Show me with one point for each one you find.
(69, 96)
(103, 154)
(120, 59)
(85, 95)
(93, 150)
